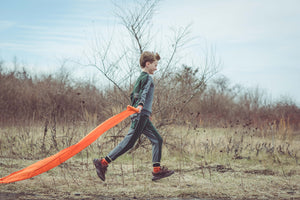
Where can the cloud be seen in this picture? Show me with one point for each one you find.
(6, 24)
(258, 41)
(232, 20)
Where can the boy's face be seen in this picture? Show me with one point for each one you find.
(151, 67)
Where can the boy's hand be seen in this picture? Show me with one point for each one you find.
(140, 107)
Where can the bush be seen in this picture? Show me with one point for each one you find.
(181, 98)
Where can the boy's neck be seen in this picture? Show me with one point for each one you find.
(145, 70)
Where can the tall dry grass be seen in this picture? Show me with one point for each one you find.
(235, 163)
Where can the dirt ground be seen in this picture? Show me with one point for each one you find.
(28, 196)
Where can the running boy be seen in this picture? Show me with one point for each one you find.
(141, 97)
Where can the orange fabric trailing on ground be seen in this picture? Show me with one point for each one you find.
(55, 160)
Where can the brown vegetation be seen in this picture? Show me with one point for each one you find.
(214, 163)
(25, 99)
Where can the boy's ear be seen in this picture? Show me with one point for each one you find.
(147, 63)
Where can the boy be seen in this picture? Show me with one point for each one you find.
(141, 97)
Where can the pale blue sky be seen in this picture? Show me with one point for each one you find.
(258, 41)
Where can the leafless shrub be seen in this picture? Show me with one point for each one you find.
(25, 98)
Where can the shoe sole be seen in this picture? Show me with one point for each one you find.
(98, 171)
(155, 178)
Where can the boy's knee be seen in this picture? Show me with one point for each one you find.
(159, 140)
(130, 145)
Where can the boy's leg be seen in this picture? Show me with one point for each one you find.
(127, 143)
(156, 140)
(129, 140)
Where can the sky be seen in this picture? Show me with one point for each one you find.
(257, 41)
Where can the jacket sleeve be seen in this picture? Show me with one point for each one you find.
(144, 90)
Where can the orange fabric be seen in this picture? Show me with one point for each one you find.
(55, 160)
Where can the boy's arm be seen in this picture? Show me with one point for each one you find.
(144, 91)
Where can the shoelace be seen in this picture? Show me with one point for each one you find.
(163, 168)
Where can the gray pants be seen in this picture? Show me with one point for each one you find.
(139, 125)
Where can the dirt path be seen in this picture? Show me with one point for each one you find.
(28, 196)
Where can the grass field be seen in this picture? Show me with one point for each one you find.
(213, 163)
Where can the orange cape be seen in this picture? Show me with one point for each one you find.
(55, 160)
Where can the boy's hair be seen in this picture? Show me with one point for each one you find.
(148, 56)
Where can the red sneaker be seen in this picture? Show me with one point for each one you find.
(100, 169)
(163, 173)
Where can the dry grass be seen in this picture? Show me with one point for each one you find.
(238, 163)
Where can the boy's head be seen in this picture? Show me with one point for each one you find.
(148, 56)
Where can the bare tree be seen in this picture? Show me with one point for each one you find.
(119, 63)
(120, 66)
(179, 86)
(137, 19)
